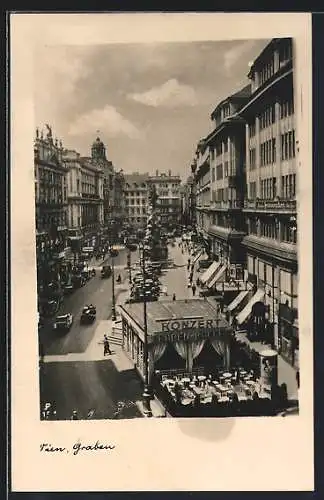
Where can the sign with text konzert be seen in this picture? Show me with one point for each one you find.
(186, 328)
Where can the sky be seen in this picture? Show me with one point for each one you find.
(151, 103)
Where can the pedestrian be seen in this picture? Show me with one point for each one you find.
(106, 345)
(174, 296)
(193, 289)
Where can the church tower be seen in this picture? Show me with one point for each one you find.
(98, 150)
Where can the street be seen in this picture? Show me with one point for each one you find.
(86, 384)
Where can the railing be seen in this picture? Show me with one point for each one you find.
(90, 196)
(277, 204)
(227, 205)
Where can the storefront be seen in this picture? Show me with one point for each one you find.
(179, 334)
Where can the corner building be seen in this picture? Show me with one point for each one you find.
(270, 204)
(226, 145)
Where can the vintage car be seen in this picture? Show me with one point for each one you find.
(106, 272)
(63, 322)
(88, 315)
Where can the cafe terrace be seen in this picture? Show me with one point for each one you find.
(178, 331)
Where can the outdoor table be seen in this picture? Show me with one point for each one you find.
(250, 383)
(243, 372)
(201, 378)
(227, 375)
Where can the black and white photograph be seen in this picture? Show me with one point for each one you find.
(166, 230)
(168, 188)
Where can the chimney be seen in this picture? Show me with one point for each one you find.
(157, 173)
(169, 173)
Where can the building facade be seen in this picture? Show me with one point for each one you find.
(168, 205)
(85, 196)
(245, 177)
(270, 204)
(136, 199)
(226, 149)
(50, 206)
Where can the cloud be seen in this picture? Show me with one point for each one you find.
(108, 120)
(171, 93)
(233, 55)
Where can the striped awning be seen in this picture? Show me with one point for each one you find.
(245, 313)
(237, 301)
(217, 276)
(209, 272)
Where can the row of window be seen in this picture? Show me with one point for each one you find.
(47, 220)
(267, 152)
(267, 71)
(137, 201)
(137, 211)
(284, 231)
(268, 116)
(268, 188)
(49, 177)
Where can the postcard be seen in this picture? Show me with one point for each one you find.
(161, 258)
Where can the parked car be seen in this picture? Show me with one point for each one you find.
(63, 322)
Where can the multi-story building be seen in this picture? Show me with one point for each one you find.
(119, 199)
(85, 196)
(188, 200)
(201, 169)
(50, 205)
(168, 205)
(225, 146)
(136, 199)
(270, 205)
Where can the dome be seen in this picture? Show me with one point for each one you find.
(98, 149)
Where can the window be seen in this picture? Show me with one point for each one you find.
(252, 190)
(218, 149)
(288, 186)
(252, 156)
(288, 145)
(225, 147)
(285, 52)
(252, 129)
(212, 154)
(213, 175)
(219, 172)
(286, 108)
(226, 169)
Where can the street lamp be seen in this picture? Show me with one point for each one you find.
(113, 305)
(146, 393)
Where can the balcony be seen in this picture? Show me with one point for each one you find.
(90, 196)
(277, 205)
(226, 205)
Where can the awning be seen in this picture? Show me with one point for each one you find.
(238, 299)
(198, 256)
(209, 272)
(216, 276)
(243, 315)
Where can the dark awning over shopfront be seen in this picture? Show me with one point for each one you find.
(245, 313)
(237, 301)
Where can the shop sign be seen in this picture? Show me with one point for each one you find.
(176, 325)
